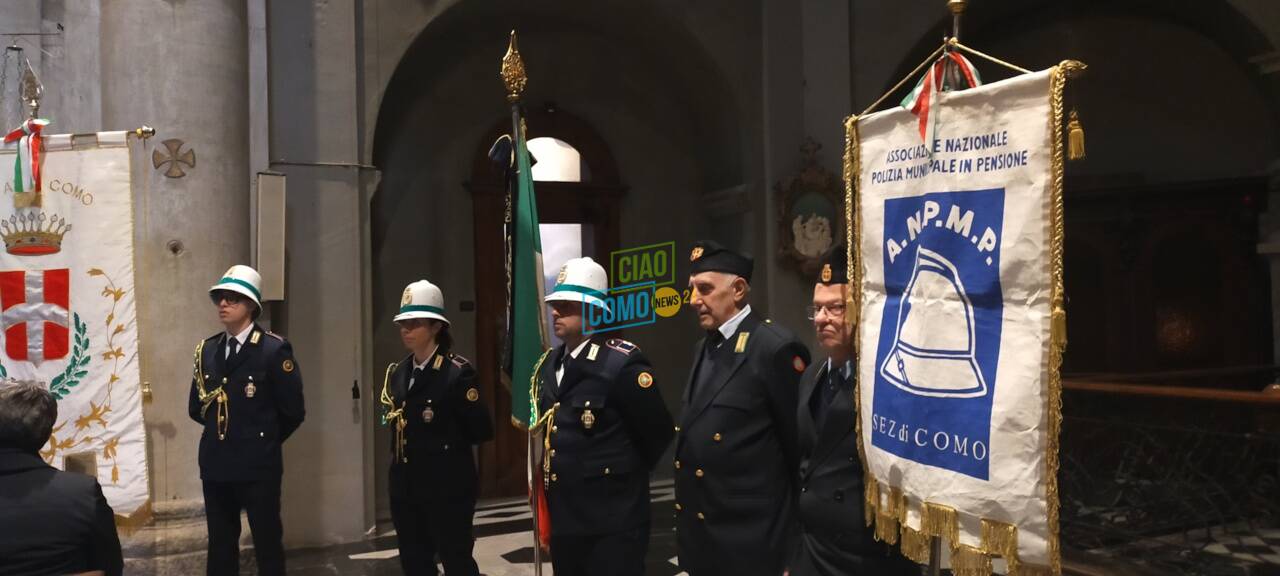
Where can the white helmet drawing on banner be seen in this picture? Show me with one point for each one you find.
(934, 351)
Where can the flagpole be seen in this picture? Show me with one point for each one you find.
(514, 80)
(952, 77)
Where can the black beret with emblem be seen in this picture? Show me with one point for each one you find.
(710, 256)
(835, 269)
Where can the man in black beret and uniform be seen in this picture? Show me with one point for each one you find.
(607, 426)
(834, 539)
(736, 451)
(247, 393)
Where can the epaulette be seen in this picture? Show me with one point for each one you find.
(459, 361)
(621, 345)
(274, 335)
(214, 337)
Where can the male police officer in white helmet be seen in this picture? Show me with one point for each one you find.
(608, 427)
(246, 391)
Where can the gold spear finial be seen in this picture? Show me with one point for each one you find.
(957, 6)
(513, 76)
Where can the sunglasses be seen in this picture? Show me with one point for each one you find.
(231, 297)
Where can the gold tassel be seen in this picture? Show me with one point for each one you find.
(1001, 539)
(1075, 137)
(969, 561)
(1058, 326)
(915, 545)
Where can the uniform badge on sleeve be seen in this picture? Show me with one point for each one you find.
(472, 394)
(645, 380)
(287, 366)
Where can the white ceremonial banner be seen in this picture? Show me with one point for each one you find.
(955, 254)
(67, 294)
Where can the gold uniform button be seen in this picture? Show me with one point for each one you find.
(606, 471)
(678, 508)
(555, 428)
(553, 452)
(716, 437)
(677, 464)
(554, 478)
(677, 428)
(701, 517)
(698, 472)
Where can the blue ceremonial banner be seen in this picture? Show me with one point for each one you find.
(957, 291)
(939, 342)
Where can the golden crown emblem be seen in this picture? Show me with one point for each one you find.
(33, 234)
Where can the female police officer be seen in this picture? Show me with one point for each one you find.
(433, 407)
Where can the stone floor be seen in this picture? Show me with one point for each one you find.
(504, 545)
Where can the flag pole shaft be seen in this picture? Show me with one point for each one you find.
(534, 473)
(533, 493)
(935, 556)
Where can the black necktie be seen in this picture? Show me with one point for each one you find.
(416, 378)
(714, 339)
(233, 346)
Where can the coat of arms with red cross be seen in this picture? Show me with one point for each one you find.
(36, 316)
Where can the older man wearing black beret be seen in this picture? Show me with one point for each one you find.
(736, 451)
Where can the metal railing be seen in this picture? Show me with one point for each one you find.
(1173, 479)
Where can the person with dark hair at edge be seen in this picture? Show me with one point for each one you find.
(51, 522)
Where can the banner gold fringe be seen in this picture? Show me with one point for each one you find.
(1001, 539)
(969, 561)
(942, 521)
(915, 545)
(887, 529)
(870, 498)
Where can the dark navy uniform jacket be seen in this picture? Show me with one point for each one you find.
(834, 538)
(609, 431)
(444, 417)
(736, 453)
(263, 392)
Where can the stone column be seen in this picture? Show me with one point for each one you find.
(181, 68)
